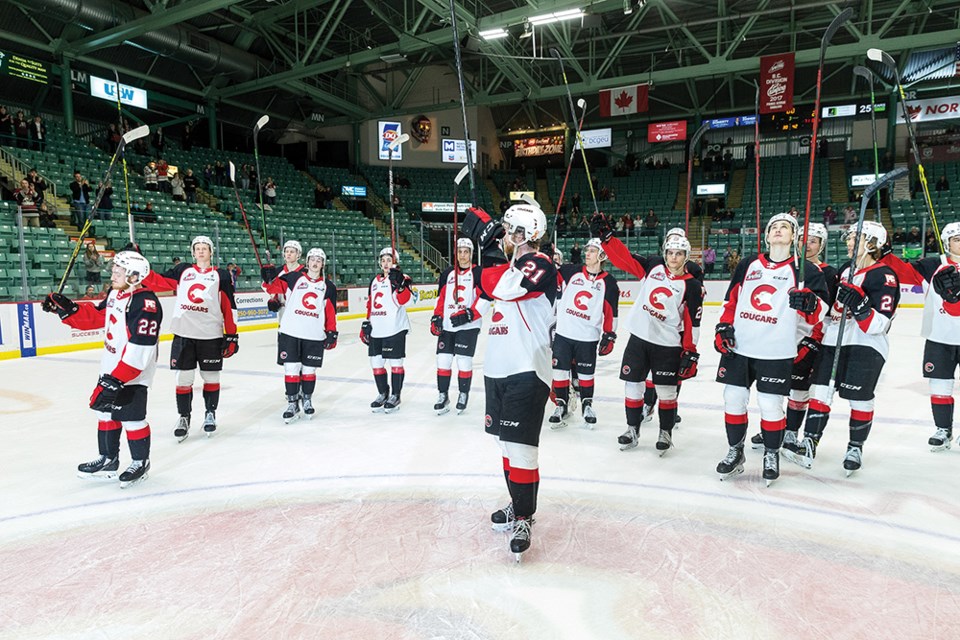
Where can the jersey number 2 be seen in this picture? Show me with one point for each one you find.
(147, 327)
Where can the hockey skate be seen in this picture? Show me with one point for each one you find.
(589, 415)
(503, 519)
(771, 465)
(308, 409)
(182, 430)
(558, 419)
(392, 404)
(629, 438)
(940, 440)
(806, 452)
(377, 405)
(853, 460)
(442, 405)
(521, 537)
(732, 465)
(103, 468)
(791, 446)
(135, 474)
(462, 402)
(292, 412)
(209, 424)
(756, 442)
(647, 413)
(664, 442)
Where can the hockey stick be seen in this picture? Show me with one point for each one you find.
(756, 159)
(881, 56)
(463, 100)
(261, 123)
(236, 192)
(842, 17)
(882, 182)
(573, 114)
(393, 146)
(129, 136)
(563, 189)
(456, 250)
(694, 141)
(867, 75)
(126, 181)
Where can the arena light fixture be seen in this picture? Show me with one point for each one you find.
(556, 16)
(494, 34)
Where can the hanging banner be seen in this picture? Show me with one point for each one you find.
(595, 139)
(776, 83)
(946, 108)
(624, 101)
(107, 90)
(542, 146)
(389, 131)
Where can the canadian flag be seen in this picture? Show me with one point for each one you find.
(623, 101)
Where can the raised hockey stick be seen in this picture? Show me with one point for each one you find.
(694, 141)
(128, 137)
(832, 29)
(463, 100)
(456, 250)
(882, 56)
(756, 159)
(391, 148)
(868, 193)
(126, 180)
(573, 114)
(236, 192)
(563, 189)
(261, 123)
(867, 75)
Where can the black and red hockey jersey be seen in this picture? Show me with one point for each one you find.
(881, 288)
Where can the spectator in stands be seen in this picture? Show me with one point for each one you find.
(177, 188)
(650, 224)
(626, 223)
(22, 128)
(270, 192)
(914, 236)
(728, 160)
(576, 253)
(942, 184)
(47, 219)
(829, 215)
(29, 202)
(187, 141)
(849, 215)
(749, 153)
(106, 201)
(90, 291)
(234, 272)
(190, 186)
(733, 260)
(39, 184)
(823, 148)
(150, 177)
(604, 194)
(649, 164)
(397, 202)
(561, 225)
(93, 264)
(575, 203)
(80, 191)
(930, 244)
(220, 174)
(245, 172)
(584, 227)
(855, 162)
(613, 196)
(793, 211)
(163, 176)
(665, 164)
(159, 141)
(404, 182)
(7, 136)
(38, 134)
(176, 260)
(899, 236)
(319, 196)
(886, 164)
(709, 259)
(719, 214)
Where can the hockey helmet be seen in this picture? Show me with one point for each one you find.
(595, 242)
(782, 217)
(526, 219)
(557, 255)
(316, 252)
(677, 244)
(817, 230)
(874, 232)
(134, 264)
(293, 244)
(201, 240)
(949, 231)
(465, 243)
(388, 251)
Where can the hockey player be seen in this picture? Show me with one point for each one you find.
(291, 263)
(456, 323)
(808, 350)
(757, 340)
(131, 317)
(586, 317)
(941, 326)
(869, 298)
(385, 330)
(516, 370)
(204, 329)
(307, 328)
(664, 327)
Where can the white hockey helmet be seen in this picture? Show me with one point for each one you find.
(387, 251)
(316, 252)
(782, 217)
(201, 240)
(465, 243)
(817, 230)
(874, 232)
(677, 244)
(949, 231)
(293, 244)
(595, 242)
(134, 264)
(526, 219)
(557, 255)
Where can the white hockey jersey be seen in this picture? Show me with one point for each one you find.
(387, 309)
(311, 305)
(882, 289)
(459, 291)
(589, 304)
(205, 307)
(941, 320)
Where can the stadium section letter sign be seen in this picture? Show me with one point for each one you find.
(389, 131)
(776, 83)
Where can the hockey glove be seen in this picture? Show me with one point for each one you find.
(104, 397)
(273, 305)
(946, 283)
(132, 246)
(600, 227)
(398, 281)
(365, 330)
(688, 365)
(803, 300)
(807, 352)
(606, 343)
(436, 325)
(482, 229)
(59, 304)
(462, 317)
(331, 341)
(231, 344)
(547, 249)
(268, 273)
(853, 298)
(724, 342)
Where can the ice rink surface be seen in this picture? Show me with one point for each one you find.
(367, 526)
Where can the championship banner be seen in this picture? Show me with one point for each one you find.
(776, 83)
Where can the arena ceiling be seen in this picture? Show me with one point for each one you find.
(351, 60)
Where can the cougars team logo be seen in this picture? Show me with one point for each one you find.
(928, 367)
(376, 300)
(440, 344)
(760, 299)
(487, 420)
(626, 370)
(579, 298)
(721, 372)
(554, 362)
(658, 294)
(195, 293)
(497, 317)
(308, 301)
(283, 355)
